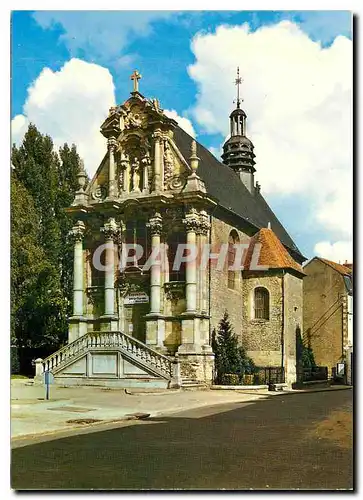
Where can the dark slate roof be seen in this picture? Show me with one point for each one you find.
(222, 183)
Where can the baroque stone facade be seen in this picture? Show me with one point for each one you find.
(156, 189)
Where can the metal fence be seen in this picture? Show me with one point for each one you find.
(315, 373)
(262, 375)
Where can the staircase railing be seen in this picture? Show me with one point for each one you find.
(114, 339)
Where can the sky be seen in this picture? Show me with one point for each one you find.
(69, 67)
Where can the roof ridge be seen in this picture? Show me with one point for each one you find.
(273, 253)
(336, 266)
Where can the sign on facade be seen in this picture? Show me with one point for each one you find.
(340, 368)
(136, 298)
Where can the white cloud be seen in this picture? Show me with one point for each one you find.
(297, 96)
(339, 251)
(183, 122)
(70, 105)
(101, 35)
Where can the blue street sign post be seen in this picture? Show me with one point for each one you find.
(48, 379)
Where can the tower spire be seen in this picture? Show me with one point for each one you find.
(238, 149)
(238, 82)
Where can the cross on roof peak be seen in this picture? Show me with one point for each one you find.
(136, 77)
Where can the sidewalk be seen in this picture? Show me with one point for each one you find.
(31, 414)
(79, 407)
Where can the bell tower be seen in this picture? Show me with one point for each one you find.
(238, 149)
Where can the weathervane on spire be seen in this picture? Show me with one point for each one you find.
(238, 82)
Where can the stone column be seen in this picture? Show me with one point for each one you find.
(155, 326)
(155, 226)
(157, 161)
(110, 231)
(112, 185)
(192, 224)
(121, 287)
(145, 179)
(77, 326)
(203, 232)
(195, 355)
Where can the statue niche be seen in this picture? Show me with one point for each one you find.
(135, 165)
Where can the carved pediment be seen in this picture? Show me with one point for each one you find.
(135, 118)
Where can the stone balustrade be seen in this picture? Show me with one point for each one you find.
(111, 340)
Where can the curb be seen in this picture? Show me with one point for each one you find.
(122, 419)
(309, 391)
(132, 418)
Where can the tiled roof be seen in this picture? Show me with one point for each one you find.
(272, 252)
(344, 270)
(222, 183)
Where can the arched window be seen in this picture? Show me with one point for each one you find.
(233, 239)
(262, 303)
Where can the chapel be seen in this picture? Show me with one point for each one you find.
(157, 187)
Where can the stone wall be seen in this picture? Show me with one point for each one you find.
(262, 338)
(222, 297)
(293, 322)
(197, 367)
(324, 319)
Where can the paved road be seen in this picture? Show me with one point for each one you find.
(266, 444)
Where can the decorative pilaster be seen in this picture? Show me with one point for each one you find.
(76, 321)
(157, 161)
(112, 185)
(111, 232)
(155, 327)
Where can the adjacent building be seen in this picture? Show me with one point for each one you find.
(328, 312)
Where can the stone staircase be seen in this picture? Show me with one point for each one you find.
(191, 383)
(121, 349)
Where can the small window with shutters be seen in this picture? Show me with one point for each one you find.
(262, 303)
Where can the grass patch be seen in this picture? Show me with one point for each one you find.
(19, 376)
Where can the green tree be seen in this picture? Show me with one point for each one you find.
(28, 259)
(67, 186)
(48, 180)
(230, 357)
(307, 358)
